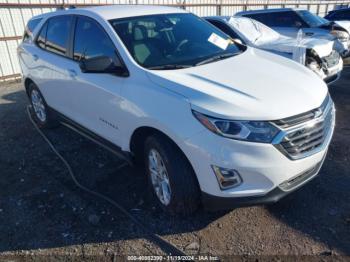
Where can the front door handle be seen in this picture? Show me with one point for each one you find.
(35, 57)
(72, 73)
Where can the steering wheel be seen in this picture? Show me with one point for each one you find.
(181, 45)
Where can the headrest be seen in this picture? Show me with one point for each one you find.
(140, 32)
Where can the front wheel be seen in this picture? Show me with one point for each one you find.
(173, 182)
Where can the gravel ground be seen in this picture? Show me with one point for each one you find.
(43, 214)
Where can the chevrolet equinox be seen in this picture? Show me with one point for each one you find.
(212, 121)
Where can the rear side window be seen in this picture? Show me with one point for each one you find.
(278, 19)
(264, 18)
(42, 37)
(30, 28)
(58, 30)
(32, 24)
(91, 40)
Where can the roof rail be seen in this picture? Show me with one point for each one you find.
(63, 7)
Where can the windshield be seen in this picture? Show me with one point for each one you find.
(173, 41)
(311, 19)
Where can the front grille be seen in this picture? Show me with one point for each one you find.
(302, 118)
(309, 136)
(331, 60)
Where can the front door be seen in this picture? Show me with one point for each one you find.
(94, 98)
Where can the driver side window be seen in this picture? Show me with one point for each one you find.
(91, 41)
(278, 19)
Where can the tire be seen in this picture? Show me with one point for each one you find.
(183, 186)
(40, 111)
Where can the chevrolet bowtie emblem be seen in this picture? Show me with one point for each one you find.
(318, 113)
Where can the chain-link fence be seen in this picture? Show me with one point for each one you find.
(14, 15)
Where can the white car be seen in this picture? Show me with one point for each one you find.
(289, 21)
(210, 119)
(317, 54)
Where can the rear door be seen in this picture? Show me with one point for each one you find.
(25, 49)
(51, 56)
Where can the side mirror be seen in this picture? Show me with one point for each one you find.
(102, 64)
(298, 24)
(239, 41)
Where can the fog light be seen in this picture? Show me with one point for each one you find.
(227, 178)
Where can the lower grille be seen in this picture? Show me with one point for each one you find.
(300, 179)
(309, 137)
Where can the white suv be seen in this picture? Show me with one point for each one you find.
(213, 121)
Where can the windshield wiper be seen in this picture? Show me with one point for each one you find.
(216, 58)
(169, 67)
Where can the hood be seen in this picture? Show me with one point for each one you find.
(336, 25)
(322, 47)
(262, 36)
(255, 85)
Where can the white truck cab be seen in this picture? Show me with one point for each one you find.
(212, 121)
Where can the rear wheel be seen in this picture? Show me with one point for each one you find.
(40, 111)
(170, 176)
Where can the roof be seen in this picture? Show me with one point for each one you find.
(225, 19)
(122, 11)
(272, 10)
(109, 12)
(217, 17)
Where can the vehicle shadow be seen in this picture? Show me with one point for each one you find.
(321, 209)
(41, 207)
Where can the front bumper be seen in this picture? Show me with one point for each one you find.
(331, 75)
(268, 174)
(214, 203)
(332, 78)
(262, 166)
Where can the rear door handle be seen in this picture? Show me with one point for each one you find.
(72, 73)
(35, 57)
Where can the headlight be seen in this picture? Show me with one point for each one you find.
(253, 131)
(312, 64)
(342, 36)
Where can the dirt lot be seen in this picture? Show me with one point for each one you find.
(43, 213)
